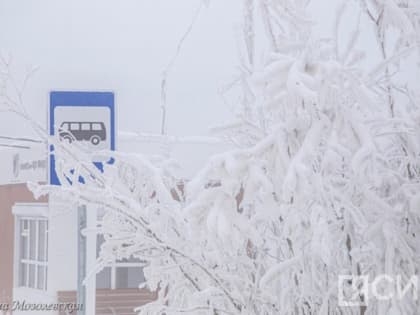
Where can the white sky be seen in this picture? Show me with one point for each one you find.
(124, 46)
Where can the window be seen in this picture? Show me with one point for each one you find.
(74, 126)
(96, 126)
(86, 126)
(33, 252)
(123, 274)
(65, 126)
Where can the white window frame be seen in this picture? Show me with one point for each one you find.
(31, 212)
(120, 264)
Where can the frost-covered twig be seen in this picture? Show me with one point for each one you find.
(164, 81)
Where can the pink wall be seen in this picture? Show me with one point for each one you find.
(9, 195)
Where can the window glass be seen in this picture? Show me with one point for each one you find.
(123, 274)
(24, 247)
(46, 240)
(65, 126)
(96, 126)
(128, 277)
(24, 240)
(74, 126)
(31, 282)
(41, 278)
(23, 274)
(42, 241)
(33, 253)
(85, 126)
(32, 239)
(103, 279)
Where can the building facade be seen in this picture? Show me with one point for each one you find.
(39, 249)
(40, 238)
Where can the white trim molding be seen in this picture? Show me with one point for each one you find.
(30, 210)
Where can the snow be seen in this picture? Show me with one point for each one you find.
(322, 178)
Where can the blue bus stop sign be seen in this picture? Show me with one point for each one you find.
(87, 118)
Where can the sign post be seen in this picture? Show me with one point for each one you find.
(86, 118)
(81, 259)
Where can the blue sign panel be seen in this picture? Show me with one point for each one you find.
(86, 118)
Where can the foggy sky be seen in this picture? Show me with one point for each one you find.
(124, 46)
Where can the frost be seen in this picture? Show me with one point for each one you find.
(323, 179)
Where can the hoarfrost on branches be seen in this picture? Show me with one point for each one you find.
(324, 182)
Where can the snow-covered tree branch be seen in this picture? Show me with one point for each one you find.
(324, 181)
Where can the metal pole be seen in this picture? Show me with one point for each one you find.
(81, 260)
